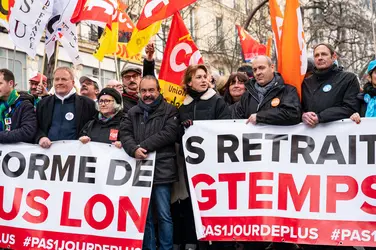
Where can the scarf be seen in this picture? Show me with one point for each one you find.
(195, 94)
(5, 109)
(262, 91)
(150, 108)
(104, 119)
(371, 102)
(132, 97)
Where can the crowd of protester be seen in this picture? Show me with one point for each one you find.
(133, 115)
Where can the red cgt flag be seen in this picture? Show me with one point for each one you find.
(180, 52)
(156, 10)
(250, 46)
(94, 10)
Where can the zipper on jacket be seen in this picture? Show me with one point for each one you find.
(194, 111)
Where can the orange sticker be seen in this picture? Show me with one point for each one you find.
(275, 102)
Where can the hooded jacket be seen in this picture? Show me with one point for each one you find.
(24, 121)
(281, 104)
(331, 94)
(210, 106)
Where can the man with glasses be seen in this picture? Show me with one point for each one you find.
(131, 77)
(89, 87)
(115, 84)
(63, 115)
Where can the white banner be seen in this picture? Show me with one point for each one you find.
(27, 22)
(283, 183)
(73, 196)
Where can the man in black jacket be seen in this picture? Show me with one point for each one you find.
(329, 94)
(267, 98)
(131, 77)
(18, 122)
(151, 126)
(63, 115)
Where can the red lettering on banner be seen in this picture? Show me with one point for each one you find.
(15, 205)
(64, 218)
(332, 196)
(211, 194)
(43, 210)
(254, 190)
(369, 192)
(109, 214)
(232, 179)
(286, 184)
(126, 206)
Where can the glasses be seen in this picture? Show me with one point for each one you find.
(128, 77)
(104, 101)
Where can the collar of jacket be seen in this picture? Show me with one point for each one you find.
(279, 82)
(327, 73)
(62, 98)
(209, 94)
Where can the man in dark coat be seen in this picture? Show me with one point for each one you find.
(63, 115)
(131, 77)
(267, 98)
(329, 94)
(18, 122)
(151, 126)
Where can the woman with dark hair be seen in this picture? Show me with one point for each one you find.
(201, 103)
(235, 88)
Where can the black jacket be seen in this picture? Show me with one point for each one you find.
(281, 105)
(210, 107)
(331, 94)
(130, 102)
(85, 110)
(99, 131)
(158, 134)
(24, 121)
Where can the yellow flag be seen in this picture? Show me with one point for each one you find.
(4, 11)
(108, 42)
(140, 38)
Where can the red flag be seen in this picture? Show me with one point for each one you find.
(250, 46)
(125, 22)
(180, 52)
(94, 10)
(156, 10)
(293, 46)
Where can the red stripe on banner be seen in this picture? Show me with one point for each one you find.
(301, 231)
(22, 239)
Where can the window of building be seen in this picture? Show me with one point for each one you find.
(219, 30)
(7, 58)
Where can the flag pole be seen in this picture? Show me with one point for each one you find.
(56, 54)
(116, 67)
(14, 59)
(43, 62)
(373, 29)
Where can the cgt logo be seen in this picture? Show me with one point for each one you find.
(187, 49)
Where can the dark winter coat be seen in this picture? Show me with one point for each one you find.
(158, 134)
(85, 110)
(332, 94)
(100, 131)
(210, 106)
(130, 102)
(281, 105)
(24, 121)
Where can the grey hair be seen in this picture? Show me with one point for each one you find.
(266, 57)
